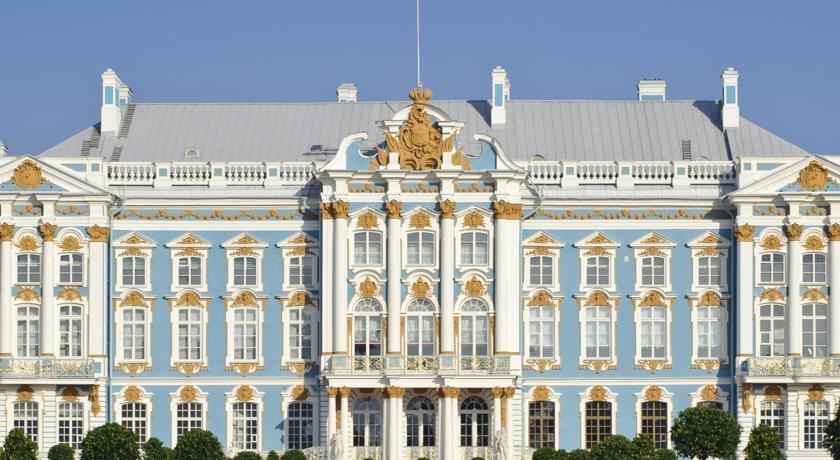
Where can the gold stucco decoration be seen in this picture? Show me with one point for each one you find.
(26, 294)
(744, 233)
(834, 232)
(653, 299)
(447, 209)
(28, 175)
(772, 295)
(474, 219)
(395, 392)
(368, 288)
(540, 298)
(746, 398)
(299, 393)
(189, 299)
(598, 239)
(394, 209)
(597, 298)
(794, 231)
(651, 252)
(7, 231)
(132, 394)
(541, 393)
(25, 393)
(48, 231)
(70, 394)
(653, 393)
(244, 298)
(326, 211)
(244, 393)
(598, 393)
(814, 243)
(772, 393)
(771, 242)
(654, 239)
(99, 234)
(816, 392)
(474, 287)
(189, 239)
(814, 176)
(420, 219)
(420, 289)
(709, 393)
(542, 239)
(70, 243)
(299, 299)
(708, 298)
(27, 243)
(246, 239)
(188, 393)
(450, 392)
(188, 369)
(133, 299)
(69, 294)
(93, 397)
(814, 295)
(367, 220)
(133, 239)
(709, 251)
(710, 239)
(507, 211)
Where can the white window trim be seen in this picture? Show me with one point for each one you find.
(300, 245)
(188, 245)
(145, 398)
(230, 399)
(300, 300)
(537, 300)
(464, 297)
(38, 397)
(759, 250)
(811, 233)
(354, 227)
(666, 397)
(84, 400)
(553, 397)
(140, 246)
(18, 251)
(82, 302)
(435, 314)
(584, 398)
(16, 303)
(295, 394)
(175, 399)
(709, 245)
(587, 300)
(148, 305)
(82, 250)
(801, 398)
(433, 228)
(180, 302)
(757, 303)
(597, 245)
(244, 245)
(383, 315)
(721, 396)
(652, 245)
(701, 301)
(239, 300)
(487, 227)
(541, 245)
(649, 299)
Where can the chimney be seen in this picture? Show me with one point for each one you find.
(651, 90)
(3, 150)
(115, 94)
(501, 94)
(730, 114)
(347, 92)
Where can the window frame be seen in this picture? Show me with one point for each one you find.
(651, 247)
(777, 421)
(289, 418)
(710, 245)
(475, 423)
(542, 245)
(120, 418)
(536, 304)
(176, 307)
(773, 274)
(28, 319)
(474, 314)
(365, 315)
(315, 319)
(722, 311)
(133, 244)
(775, 320)
(175, 400)
(640, 304)
(83, 418)
(187, 246)
(803, 420)
(26, 422)
(814, 273)
(72, 317)
(474, 219)
(417, 317)
(585, 399)
(553, 417)
(147, 325)
(422, 423)
(816, 320)
(230, 402)
(366, 254)
(232, 322)
(594, 300)
(30, 273)
(300, 245)
(244, 245)
(641, 417)
(72, 263)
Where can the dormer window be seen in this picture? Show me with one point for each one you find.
(191, 154)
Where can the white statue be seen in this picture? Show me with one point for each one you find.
(500, 444)
(336, 447)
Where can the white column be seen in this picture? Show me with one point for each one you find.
(794, 280)
(507, 283)
(393, 440)
(48, 317)
(97, 291)
(449, 442)
(327, 323)
(745, 261)
(346, 420)
(834, 299)
(394, 272)
(498, 394)
(332, 392)
(339, 209)
(447, 277)
(508, 416)
(7, 231)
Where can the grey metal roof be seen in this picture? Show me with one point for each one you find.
(556, 130)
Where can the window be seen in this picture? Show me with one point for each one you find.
(712, 404)
(475, 422)
(421, 248)
(541, 424)
(367, 328)
(189, 271)
(772, 414)
(134, 271)
(653, 271)
(541, 332)
(598, 337)
(598, 422)
(133, 417)
(244, 271)
(70, 269)
(773, 268)
(26, 418)
(420, 422)
(814, 330)
(653, 333)
(189, 334)
(300, 334)
(815, 420)
(134, 334)
(70, 331)
(367, 422)
(300, 271)
(188, 417)
(71, 424)
(420, 340)
(541, 271)
(245, 426)
(708, 271)
(28, 332)
(300, 428)
(771, 330)
(28, 268)
(598, 271)
(655, 422)
(367, 248)
(475, 249)
(813, 268)
(709, 322)
(245, 328)
(474, 328)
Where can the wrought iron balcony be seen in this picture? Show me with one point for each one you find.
(792, 367)
(46, 368)
(421, 365)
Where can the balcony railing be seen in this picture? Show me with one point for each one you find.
(46, 368)
(793, 367)
(424, 365)
(209, 174)
(469, 453)
(365, 453)
(571, 174)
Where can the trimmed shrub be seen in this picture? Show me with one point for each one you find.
(19, 447)
(246, 455)
(293, 454)
(545, 453)
(198, 445)
(831, 442)
(61, 452)
(154, 449)
(615, 446)
(764, 444)
(578, 454)
(112, 441)
(703, 432)
(272, 456)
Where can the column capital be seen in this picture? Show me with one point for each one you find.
(744, 233)
(507, 211)
(344, 392)
(332, 392)
(395, 392)
(340, 209)
(7, 231)
(447, 209)
(450, 392)
(834, 232)
(48, 231)
(497, 392)
(98, 234)
(794, 231)
(394, 209)
(326, 211)
(509, 392)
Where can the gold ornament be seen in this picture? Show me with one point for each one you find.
(654, 239)
(598, 298)
(189, 299)
(368, 288)
(814, 243)
(709, 393)
(299, 299)
(395, 392)
(447, 209)
(744, 233)
(93, 397)
(188, 393)
(420, 219)
(474, 287)
(813, 295)
(69, 294)
(540, 298)
(474, 219)
(746, 403)
(246, 239)
(772, 295)
(28, 175)
(339, 209)
(653, 393)
(709, 298)
(27, 243)
(70, 394)
(48, 231)
(25, 393)
(450, 392)
(816, 392)
(188, 368)
(420, 289)
(598, 239)
(794, 231)
(771, 242)
(394, 209)
(244, 298)
(653, 299)
(834, 232)
(507, 211)
(710, 239)
(100, 234)
(326, 211)
(367, 220)
(814, 176)
(541, 393)
(7, 231)
(332, 392)
(772, 393)
(26, 294)
(299, 393)
(133, 299)
(244, 393)
(598, 393)
(70, 243)
(132, 394)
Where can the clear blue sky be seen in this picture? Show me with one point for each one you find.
(788, 53)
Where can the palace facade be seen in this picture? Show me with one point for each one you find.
(442, 279)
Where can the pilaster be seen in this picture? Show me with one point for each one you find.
(834, 298)
(327, 281)
(97, 285)
(7, 232)
(47, 317)
(744, 237)
(507, 222)
(393, 439)
(449, 425)
(339, 211)
(447, 277)
(394, 271)
(794, 281)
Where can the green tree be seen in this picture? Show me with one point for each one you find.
(831, 442)
(702, 432)
(272, 456)
(61, 452)
(578, 454)
(293, 454)
(764, 444)
(18, 446)
(643, 447)
(545, 453)
(246, 455)
(612, 447)
(154, 449)
(110, 441)
(198, 445)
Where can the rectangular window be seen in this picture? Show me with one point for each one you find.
(28, 332)
(655, 422)
(245, 334)
(815, 419)
(653, 271)
(709, 325)
(134, 334)
(773, 268)
(598, 271)
(245, 426)
(133, 417)
(813, 268)
(598, 422)
(300, 427)
(772, 414)
(771, 330)
(300, 271)
(71, 424)
(731, 92)
(653, 332)
(134, 271)
(188, 417)
(420, 339)
(189, 334)
(70, 269)
(541, 271)
(708, 272)
(300, 334)
(814, 330)
(541, 424)
(244, 271)
(70, 331)
(474, 248)
(421, 248)
(189, 271)
(367, 248)
(541, 332)
(28, 268)
(598, 338)
(26, 418)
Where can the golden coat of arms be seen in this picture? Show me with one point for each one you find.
(27, 175)
(814, 176)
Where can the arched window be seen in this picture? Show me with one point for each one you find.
(189, 334)
(70, 331)
(474, 328)
(134, 271)
(367, 328)
(772, 414)
(188, 417)
(367, 248)
(475, 248)
(598, 332)
(653, 271)
(772, 268)
(300, 271)
(134, 417)
(598, 422)
(189, 271)
(244, 271)
(421, 248)
(541, 332)
(420, 422)
(367, 422)
(420, 339)
(813, 268)
(710, 320)
(26, 418)
(300, 428)
(134, 334)
(475, 422)
(71, 424)
(28, 331)
(655, 422)
(598, 271)
(771, 330)
(541, 424)
(541, 271)
(300, 333)
(814, 330)
(70, 268)
(245, 330)
(245, 426)
(653, 334)
(29, 268)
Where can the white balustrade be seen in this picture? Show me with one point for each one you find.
(677, 173)
(597, 172)
(653, 172)
(131, 173)
(198, 173)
